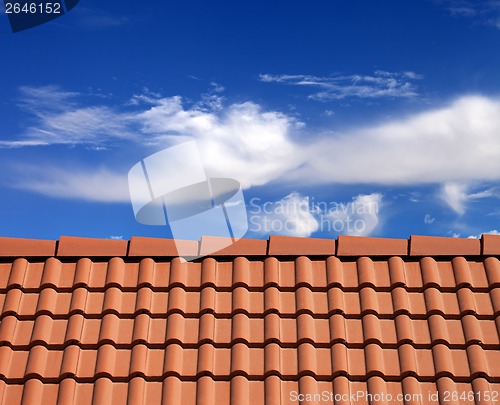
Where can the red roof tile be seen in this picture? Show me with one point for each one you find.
(73, 246)
(491, 244)
(13, 247)
(145, 247)
(286, 245)
(243, 326)
(210, 245)
(441, 246)
(359, 246)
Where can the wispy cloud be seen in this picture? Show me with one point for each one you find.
(212, 100)
(429, 219)
(458, 195)
(59, 117)
(46, 98)
(336, 87)
(98, 185)
(98, 19)
(455, 146)
(485, 11)
(492, 232)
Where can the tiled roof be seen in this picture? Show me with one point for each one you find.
(102, 322)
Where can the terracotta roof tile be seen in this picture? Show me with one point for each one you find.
(151, 247)
(441, 246)
(286, 245)
(242, 327)
(15, 247)
(490, 244)
(87, 247)
(218, 246)
(359, 246)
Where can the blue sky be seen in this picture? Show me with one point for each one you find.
(353, 117)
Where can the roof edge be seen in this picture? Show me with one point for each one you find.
(344, 246)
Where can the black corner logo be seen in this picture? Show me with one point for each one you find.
(25, 14)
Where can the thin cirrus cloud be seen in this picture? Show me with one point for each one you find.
(60, 118)
(380, 84)
(98, 19)
(458, 195)
(454, 146)
(95, 185)
(429, 219)
(485, 11)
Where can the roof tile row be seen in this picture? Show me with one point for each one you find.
(69, 246)
(256, 304)
(271, 390)
(288, 332)
(447, 275)
(240, 359)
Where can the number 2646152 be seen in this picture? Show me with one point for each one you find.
(33, 8)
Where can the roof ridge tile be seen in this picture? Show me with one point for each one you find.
(443, 246)
(23, 247)
(490, 244)
(223, 246)
(72, 246)
(140, 246)
(344, 246)
(369, 246)
(295, 246)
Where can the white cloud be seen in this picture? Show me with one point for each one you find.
(99, 185)
(428, 219)
(359, 217)
(252, 145)
(485, 11)
(298, 215)
(290, 216)
(457, 195)
(379, 85)
(22, 144)
(61, 119)
(455, 145)
(256, 146)
(478, 236)
(43, 98)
